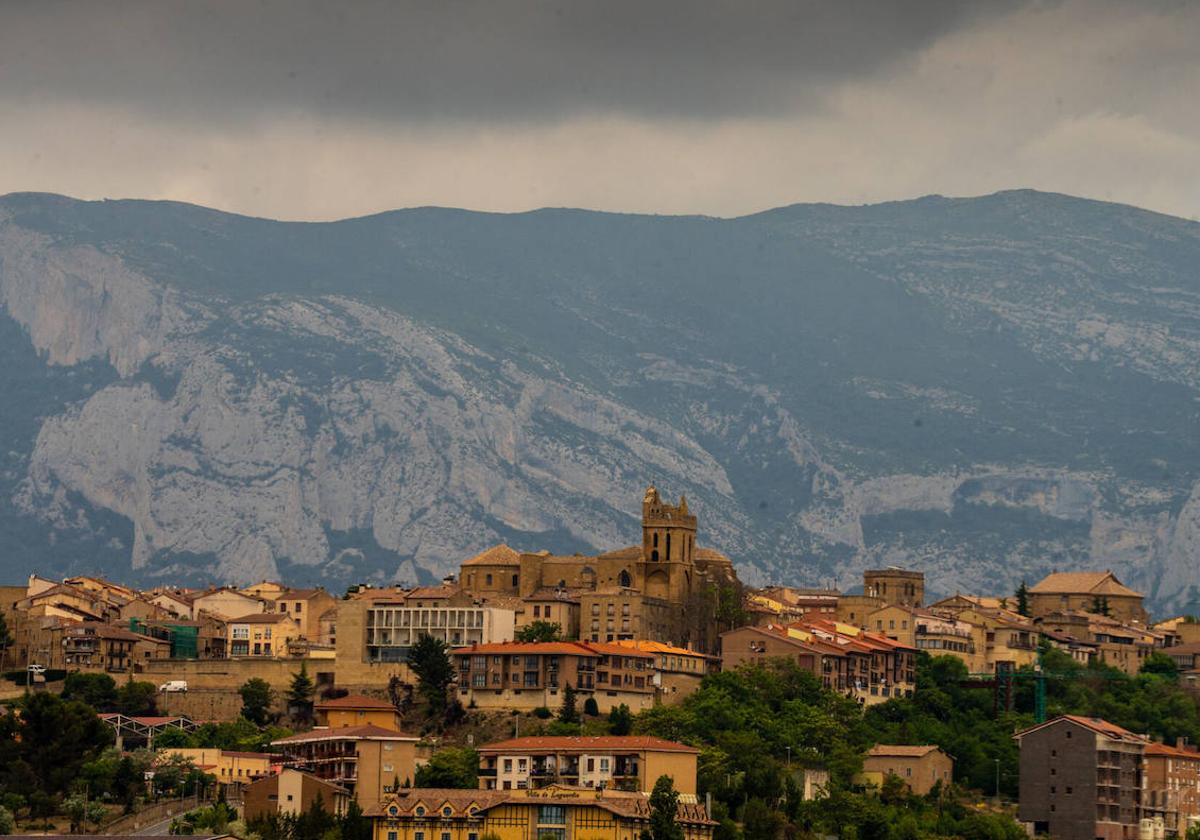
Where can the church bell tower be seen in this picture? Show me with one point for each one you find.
(668, 531)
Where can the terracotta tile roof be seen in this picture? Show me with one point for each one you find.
(901, 750)
(301, 594)
(1172, 752)
(647, 646)
(267, 756)
(548, 648)
(460, 799)
(1098, 725)
(582, 743)
(1081, 583)
(497, 555)
(356, 701)
(261, 618)
(441, 591)
(369, 731)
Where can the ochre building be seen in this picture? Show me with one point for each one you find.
(662, 590)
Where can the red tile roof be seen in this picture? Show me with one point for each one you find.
(551, 648)
(346, 733)
(902, 751)
(572, 743)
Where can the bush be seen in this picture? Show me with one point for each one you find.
(542, 712)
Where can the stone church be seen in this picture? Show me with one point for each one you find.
(666, 589)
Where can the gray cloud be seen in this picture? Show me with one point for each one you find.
(451, 59)
(316, 111)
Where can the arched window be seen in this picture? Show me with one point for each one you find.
(668, 548)
(656, 539)
(624, 579)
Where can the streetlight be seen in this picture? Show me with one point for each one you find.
(789, 764)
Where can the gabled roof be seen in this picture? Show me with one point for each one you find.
(582, 743)
(1097, 725)
(549, 648)
(901, 750)
(261, 618)
(1172, 752)
(497, 555)
(1082, 583)
(301, 594)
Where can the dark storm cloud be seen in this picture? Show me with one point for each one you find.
(448, 59)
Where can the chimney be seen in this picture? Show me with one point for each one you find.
(1181, 742)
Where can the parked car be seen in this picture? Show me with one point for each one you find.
(173, 686)
(36, 669)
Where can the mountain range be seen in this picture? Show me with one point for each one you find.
(987, 389)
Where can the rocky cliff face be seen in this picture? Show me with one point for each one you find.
(987, 389)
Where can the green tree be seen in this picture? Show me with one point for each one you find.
(97, 690)
(761, 822)
(1160, 664)
(1023, 599)
(257, 696)
(620, 720)
(540, 631)
(54, 739)
(664, 811)
(8, 823)
(174, 739)
(568, 712)
(354, 825)
(301, 691)
(429, 659)
(137, 699)
(452, 767)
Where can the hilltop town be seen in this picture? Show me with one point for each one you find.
(533, 692)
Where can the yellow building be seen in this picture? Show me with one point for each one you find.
(368, 761)
(261, 634)
(265, 590)
(357, 710)
(919, 767)
(558, 812)
(230, 767)
(306, 606)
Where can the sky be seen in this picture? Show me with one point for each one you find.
(321, 110)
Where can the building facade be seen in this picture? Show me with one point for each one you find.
(628, 762)
(1081, 779)
(368, 761)
(919, 767)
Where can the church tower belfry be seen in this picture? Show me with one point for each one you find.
(668, 531)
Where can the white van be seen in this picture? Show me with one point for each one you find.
(173, 686)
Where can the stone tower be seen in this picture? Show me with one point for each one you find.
(668, 547)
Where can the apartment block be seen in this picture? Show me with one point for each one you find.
(528, 676)
(631, 762)
(368, 761)
(1081, 779)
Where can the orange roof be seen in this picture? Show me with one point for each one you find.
(1172, 752)
(261, 618)
(902, 751)
(346, 733)
(570, 743)
(647, 646)
(497, 555)
(356, 701)
(1098, 725)
(550, 648)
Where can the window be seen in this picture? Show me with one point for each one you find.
(445, 835)
(419, 810)
(298, 606)
(392, 835)
(552, 815)
(537, 612)
(488, 580)
(516, 581)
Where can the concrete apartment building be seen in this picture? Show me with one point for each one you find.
(517, 675)
(1081, 779)
(627, 762)
(368, 761)
(677, 671)
(920, 767)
